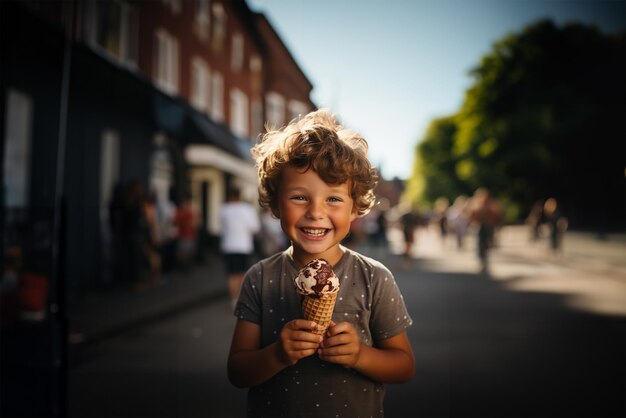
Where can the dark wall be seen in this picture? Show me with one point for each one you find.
(101, 98)
(32, 350)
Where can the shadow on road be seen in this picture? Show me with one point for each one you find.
(483, 350)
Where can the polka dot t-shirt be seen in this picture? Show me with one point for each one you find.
(368, 298)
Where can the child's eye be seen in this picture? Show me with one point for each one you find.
(299, 198)
(334, 199)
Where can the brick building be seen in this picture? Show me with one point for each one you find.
(98, 94)
(169, 93)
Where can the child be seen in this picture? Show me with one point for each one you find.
(316, 178)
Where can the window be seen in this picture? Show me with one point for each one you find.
(239, 113)
(256, 66)
(113, 29)
(166, 62)
(297, 109)
(237, 55)
(17, 148)
(219, 26)
(109, 165)
(202, 18)
(200, 79)
(217, 97)
(275, 108)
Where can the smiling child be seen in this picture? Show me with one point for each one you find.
(315, 177)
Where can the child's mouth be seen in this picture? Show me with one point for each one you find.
(315, 232)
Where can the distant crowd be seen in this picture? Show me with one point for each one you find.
(481, 214)
(149, 236)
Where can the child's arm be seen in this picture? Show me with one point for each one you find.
(250, 365)
(391, 361)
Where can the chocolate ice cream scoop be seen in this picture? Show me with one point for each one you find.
(316, 279)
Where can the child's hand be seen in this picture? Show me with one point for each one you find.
(341, 346)
(296, 341)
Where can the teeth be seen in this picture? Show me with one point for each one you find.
(314, 232)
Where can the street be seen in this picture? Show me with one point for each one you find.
(174, 368)
(540, 336)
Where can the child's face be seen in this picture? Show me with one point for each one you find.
(314, 215)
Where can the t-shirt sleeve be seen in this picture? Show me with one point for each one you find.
(248, 307)
(389, 314)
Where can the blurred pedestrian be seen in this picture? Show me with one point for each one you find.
(272, 238)
(166, 213)
(239, 223)
(458, 219)
(409, 221)
(138, 264)
(534, 221)
(487, 214)
(380, 239)
(152, 259)
(186, 222)
(357, 234)
(374, 227)
(556, 222)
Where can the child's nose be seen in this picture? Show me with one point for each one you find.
(316, 210)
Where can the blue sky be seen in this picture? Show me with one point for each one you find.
(387, 68)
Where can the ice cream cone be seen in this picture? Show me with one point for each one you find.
(319, 310)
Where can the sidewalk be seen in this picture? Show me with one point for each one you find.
(582, 251)
(589, 273)
(98, 315)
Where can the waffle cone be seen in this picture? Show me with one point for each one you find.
(319, 310)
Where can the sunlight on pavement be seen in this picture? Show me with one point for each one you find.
(585, 292)
(590, 274)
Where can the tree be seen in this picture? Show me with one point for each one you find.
(435, 162)
(544, 117)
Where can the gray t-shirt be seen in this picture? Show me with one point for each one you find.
(368, 298)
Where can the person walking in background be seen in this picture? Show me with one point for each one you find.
(166, 214)
(187, 224)
(557, 224)
(357, 234)
(534, 221)
(380, 239)
(272, 239)
(315, 176)
(152, 243)
(487, 214)
(139, 260)
(458, 219)
(239, 223)
(409, 221)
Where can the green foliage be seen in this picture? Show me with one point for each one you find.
(435, 163)
(544, 117)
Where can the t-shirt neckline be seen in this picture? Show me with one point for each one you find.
(337, 268)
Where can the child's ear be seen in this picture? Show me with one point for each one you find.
(353, 215)
(275, 212)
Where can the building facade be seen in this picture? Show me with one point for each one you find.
(169, 93)
(101, 95)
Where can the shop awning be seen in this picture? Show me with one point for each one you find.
(209, 155)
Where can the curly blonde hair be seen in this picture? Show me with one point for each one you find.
(317, 142)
